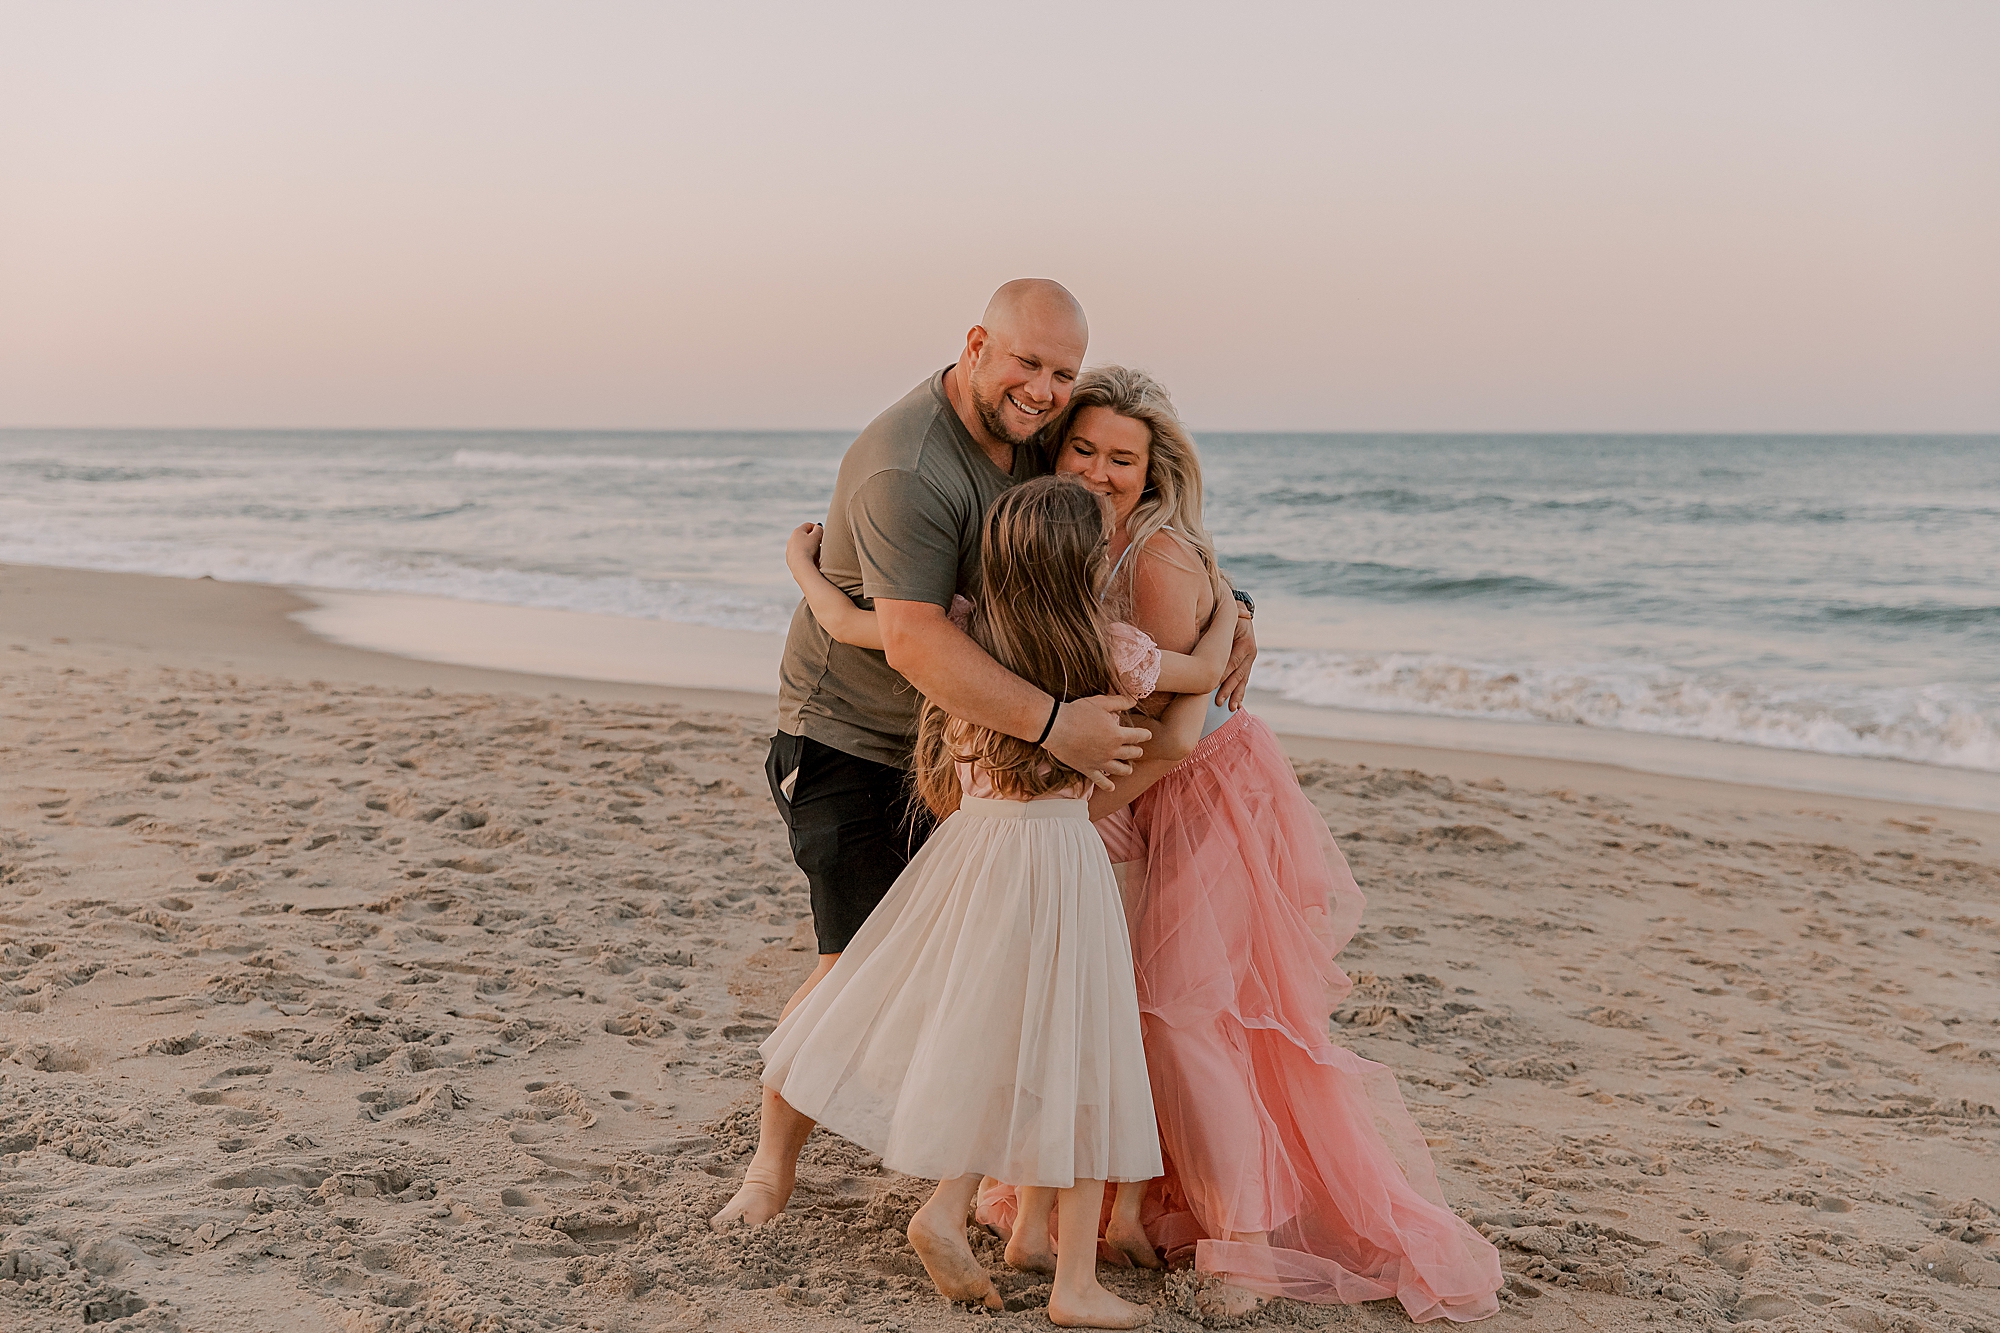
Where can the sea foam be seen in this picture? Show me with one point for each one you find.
(1951, 726)
(615, 595)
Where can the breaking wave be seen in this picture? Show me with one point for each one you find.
(1951, 726)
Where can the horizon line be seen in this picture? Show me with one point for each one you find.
(1625, 432)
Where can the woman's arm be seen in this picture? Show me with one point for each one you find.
(833, 609)
(1200, 671)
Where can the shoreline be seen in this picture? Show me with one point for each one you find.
(409, 641)
(249, 627)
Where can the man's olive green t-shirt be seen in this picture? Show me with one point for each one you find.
(904, 524)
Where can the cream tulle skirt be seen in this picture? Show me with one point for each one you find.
(984, 1021)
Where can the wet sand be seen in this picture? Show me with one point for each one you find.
(345, 991)
(615, 648)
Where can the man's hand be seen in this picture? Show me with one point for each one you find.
(958, 676)
(1090, 737)
(1242, 656)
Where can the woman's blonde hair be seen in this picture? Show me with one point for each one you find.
(1041, 557)
(1172, 498)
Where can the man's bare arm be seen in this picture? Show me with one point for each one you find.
(959, 676)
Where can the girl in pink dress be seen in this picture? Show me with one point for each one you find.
(1293, 1167)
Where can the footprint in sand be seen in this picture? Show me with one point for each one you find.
(523, 1203)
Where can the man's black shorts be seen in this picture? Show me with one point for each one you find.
(855, 824)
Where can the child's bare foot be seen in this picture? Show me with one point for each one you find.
(940, 1243)
(765, 1191)
(1095, 1307)
(1031, 1253)
(1129, 1239)
(1225, 1300)
(1030, 1248)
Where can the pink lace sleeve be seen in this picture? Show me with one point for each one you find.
(960, 614)
(1137, 658)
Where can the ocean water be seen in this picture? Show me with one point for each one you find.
(1830, 594)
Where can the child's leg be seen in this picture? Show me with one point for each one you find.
(937, 1233)
(1029, 1248)
(1126, 1234)
(781, 1137)
(1078, 1301)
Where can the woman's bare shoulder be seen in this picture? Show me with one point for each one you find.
(1170, 562)
(1171, 590)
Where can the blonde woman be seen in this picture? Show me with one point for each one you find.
(1292, 1166)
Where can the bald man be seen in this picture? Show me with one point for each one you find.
(902, 535)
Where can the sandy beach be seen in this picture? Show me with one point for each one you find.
(345, 991)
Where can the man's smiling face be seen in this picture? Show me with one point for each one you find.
(1024, 368)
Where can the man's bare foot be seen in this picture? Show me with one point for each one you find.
(1031, 1253)
(1225, 1300)
(940, 1243)
(763, 1195)
(1129, 1239)
(1095, 1308)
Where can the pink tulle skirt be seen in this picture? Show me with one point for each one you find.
(1266, 1125)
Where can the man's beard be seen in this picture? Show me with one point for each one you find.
(988, 411)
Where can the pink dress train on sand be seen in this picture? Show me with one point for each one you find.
(1266, 1125)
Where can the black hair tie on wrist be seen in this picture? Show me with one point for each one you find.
(1055, 706)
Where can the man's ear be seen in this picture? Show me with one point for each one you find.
(975, 343)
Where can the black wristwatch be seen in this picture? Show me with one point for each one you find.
(1249, 604)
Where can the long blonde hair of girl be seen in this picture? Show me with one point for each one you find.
(1172, 497)
(1042, 554)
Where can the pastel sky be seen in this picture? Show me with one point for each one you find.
(1321, 216)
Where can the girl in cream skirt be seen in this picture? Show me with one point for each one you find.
(984, 1022)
